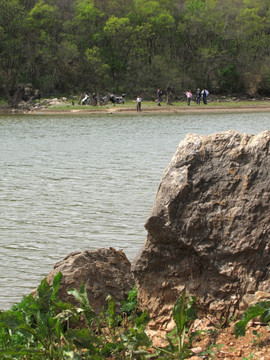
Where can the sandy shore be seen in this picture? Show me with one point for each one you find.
(166, 109)
(160, 110)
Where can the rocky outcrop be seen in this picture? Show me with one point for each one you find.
(20, 93)
(208, 230)
(31, 105)
(103, 272)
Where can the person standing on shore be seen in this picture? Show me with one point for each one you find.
(205, 93)
(198, 96)
(189, 96)
(159, 96)
(139, 103)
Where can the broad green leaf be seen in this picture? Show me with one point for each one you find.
(179, 311)
(20, 351)
(56, 283)
(83, 339)
(253, 311)
(82, 297)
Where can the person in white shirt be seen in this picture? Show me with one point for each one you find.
(139, 103)
(205, 93)
(189, 96)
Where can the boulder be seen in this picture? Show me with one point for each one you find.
(104, 272)
(208, 230)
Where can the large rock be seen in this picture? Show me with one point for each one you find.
(103, 272)
(208, 230)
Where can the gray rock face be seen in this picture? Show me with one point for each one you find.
(208, 230)
(104, 272)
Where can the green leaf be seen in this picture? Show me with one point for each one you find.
(28, 329)
(111, 318)
(265, 317)
(108, 349)
(44, 294)
(179, 316)
(82, 297)
(142, 320)
(260, 309)
(56, 283)
(190, 312)
(11, 319)
(83, 339)
(130, 304)
(20, 351)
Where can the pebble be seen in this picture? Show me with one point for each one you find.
(197, 350)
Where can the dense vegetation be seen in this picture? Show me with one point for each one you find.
(42, 326)
(135, 46)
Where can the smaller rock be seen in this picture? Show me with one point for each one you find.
(196, 350)
(103, 272)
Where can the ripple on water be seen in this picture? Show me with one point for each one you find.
(70, 183)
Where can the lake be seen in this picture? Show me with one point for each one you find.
(76, 182)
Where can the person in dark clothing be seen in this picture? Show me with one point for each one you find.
(204, 96)
(159, 98)
(198, 96)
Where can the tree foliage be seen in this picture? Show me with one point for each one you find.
(71, 46)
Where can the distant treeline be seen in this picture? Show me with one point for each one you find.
(135, 46)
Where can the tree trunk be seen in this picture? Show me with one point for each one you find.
(13, 100)
(169, 94)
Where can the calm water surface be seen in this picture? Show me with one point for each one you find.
(76, 182)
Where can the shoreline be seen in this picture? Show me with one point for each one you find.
(166, 109)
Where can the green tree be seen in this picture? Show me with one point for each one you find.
(135, 45)
(118, 8)
(86, 23)
(12, 56)
(158, 22)
(254, 40)
(43, 30)
(153, 38)
(98, 69)
(117, 46)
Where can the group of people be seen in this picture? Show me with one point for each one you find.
(199, 94)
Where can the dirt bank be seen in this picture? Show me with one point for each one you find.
(166, 109)
(161, 110)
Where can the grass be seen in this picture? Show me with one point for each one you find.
(131, 104)
(177, 104)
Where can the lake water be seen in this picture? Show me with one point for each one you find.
(77, 182)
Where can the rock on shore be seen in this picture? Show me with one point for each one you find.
(103, 272)
(208, 230)
(208, 233)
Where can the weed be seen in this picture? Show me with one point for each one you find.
(44, 327)
(212, 350)
(257, 341)
(261, 309)
(250, 357)
(179, 341)
(130, 305)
